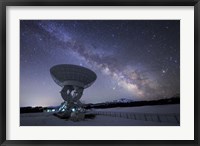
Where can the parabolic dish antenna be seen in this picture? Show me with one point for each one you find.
(73, 79)
(68, 74)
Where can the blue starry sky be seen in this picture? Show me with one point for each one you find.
(134, 59)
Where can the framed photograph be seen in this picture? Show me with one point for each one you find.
(99, 72)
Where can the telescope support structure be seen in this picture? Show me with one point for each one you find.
(72, 107)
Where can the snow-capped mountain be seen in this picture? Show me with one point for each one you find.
(122, 100)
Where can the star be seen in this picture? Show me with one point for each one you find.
(163, 71)
(154, 36)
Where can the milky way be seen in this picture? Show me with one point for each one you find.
(133, 59)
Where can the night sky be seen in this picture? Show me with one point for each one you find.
(134, 59)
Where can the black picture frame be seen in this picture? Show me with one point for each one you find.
(5, 3)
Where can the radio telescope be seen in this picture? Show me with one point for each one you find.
(73, 79)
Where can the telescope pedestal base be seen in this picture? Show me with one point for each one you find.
(73, 116)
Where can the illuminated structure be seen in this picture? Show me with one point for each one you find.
(73, 79)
